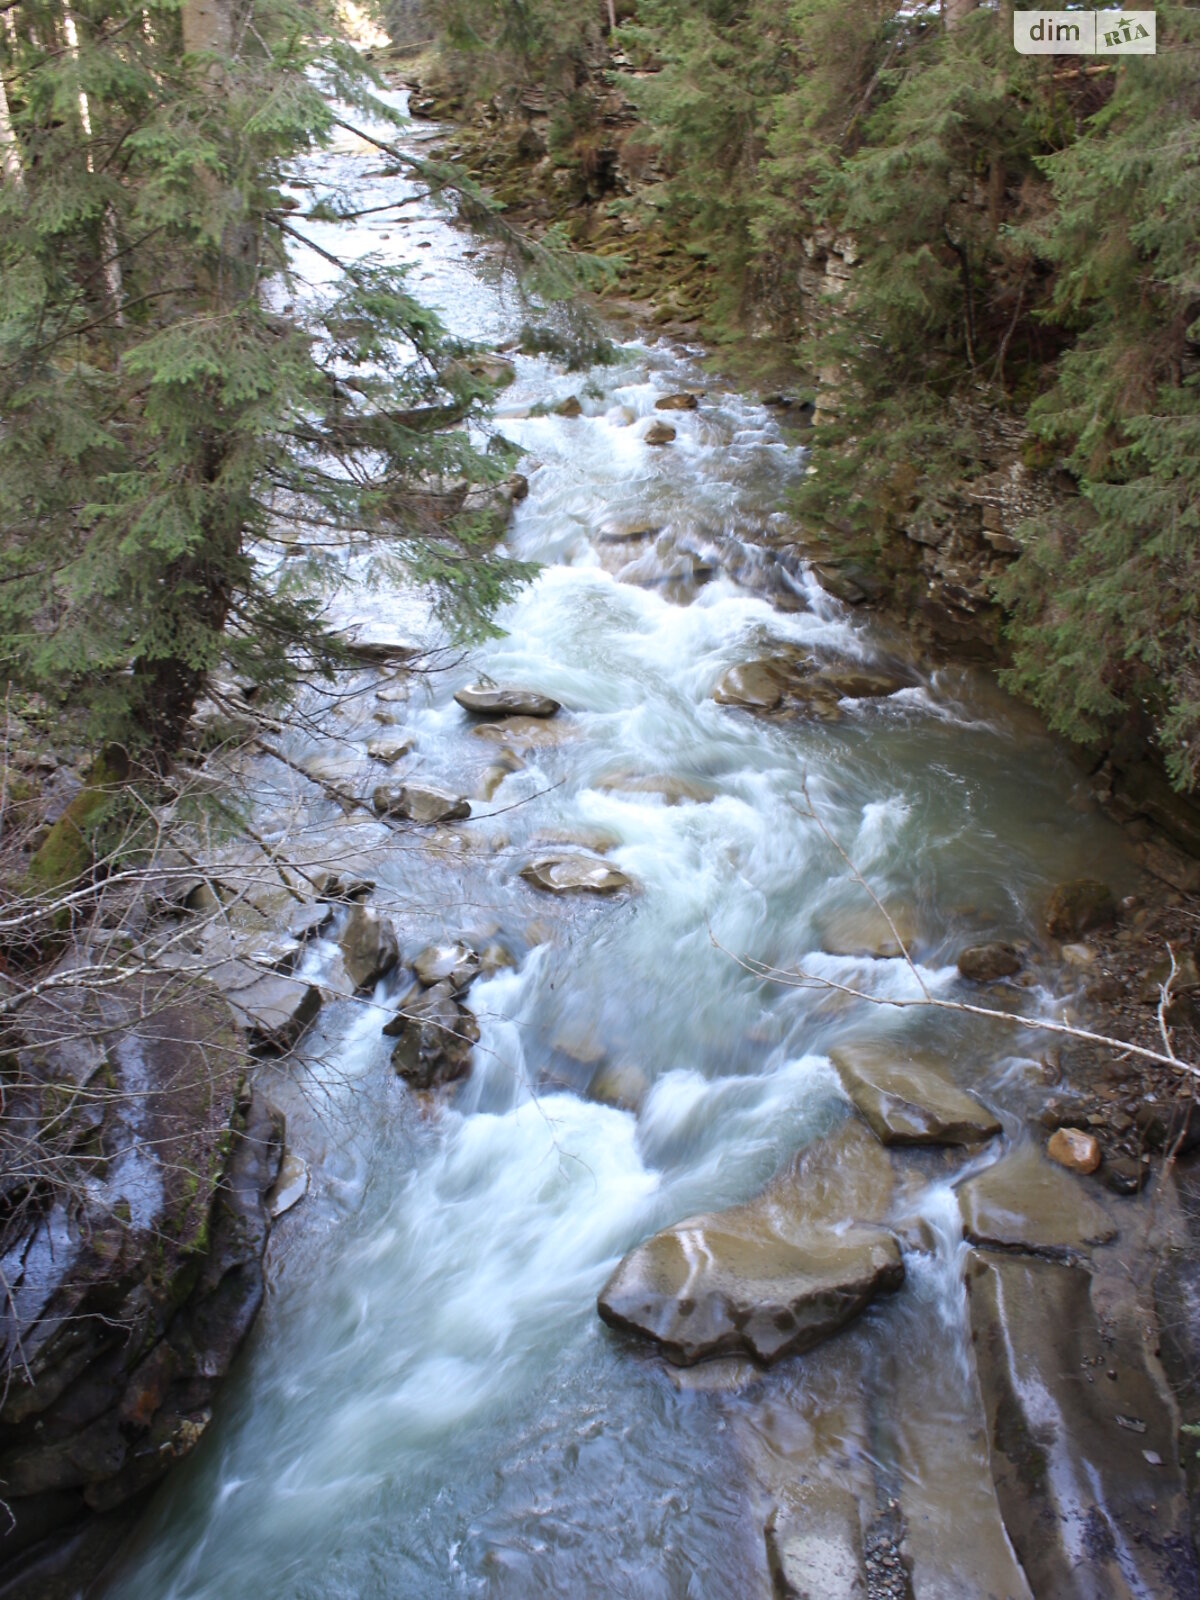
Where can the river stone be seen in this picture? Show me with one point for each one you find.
(389, 750)
(456, 964)
(570, 407)
(1085, 1465)
(732, 1283)
(677, 402)
(814, 1547)
(434, 1038)
(672, 789)
(864, 932)
(907, 1100)
(1023, 1202)
(492, 369)
(1076, 908)
(659, 433)
(525, 733)
(485, 701)
(984, 963)
(617, 532)
(624, 1087)
(755, 685)
(414, 803)
(857, 683)
(290, 1186)
(575, 875)
(1074, 1150)
(369, 946)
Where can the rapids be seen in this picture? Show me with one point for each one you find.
(429, 1406)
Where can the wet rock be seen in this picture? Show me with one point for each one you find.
(677, 402)
(616, 531)
(839, 583)
(414, 803)
(864, 932)
(856, 683)
(486, 701)
(456, 964)
(434, 1038)
(290, 1186)
(624, 1087)
(491, 369)
(814, 1547)
(517, 485)
(274, 1009)
(496, 957)
(369, 946)
(1074, 1150)
(1024, 1202)
(985, 963)
(1125, 1174)
(905, 1099)
(389, 750)
(575, 875)
(671, 788)
(773, 1277)
(526, 733)
(569, 407)
(659, 433)
(1076, 908)
(1084, 1463)
(756, 685)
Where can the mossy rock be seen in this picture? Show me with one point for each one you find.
(65, 855)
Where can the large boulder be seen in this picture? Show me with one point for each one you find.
(434, 1037)
(411, 802)
(1023, 1202)
(487, 701)
(1078, 907)
(770, 1278)
(274, 1008)
(1082, 1437)
(659, 433)
(575, 875)
(369, 946)
(755, 685)
(677, 402)
(906, 1099)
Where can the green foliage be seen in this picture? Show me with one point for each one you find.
(167, 434)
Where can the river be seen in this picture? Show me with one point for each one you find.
(429, 1405)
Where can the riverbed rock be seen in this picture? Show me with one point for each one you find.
(434, 1038)
(1075, 1150)
(274, 1008)
(755, 685)
(290, 1186)
(863, 931)
(575, 875)
(389, 749)
(526, 733)
(1081, 1435)
(619, 530)
(814, 1547)
(485, 700)
(622, 1085)
(456, 964)
(659, 433)
(677, 402)
(733, 1283)
(413, 802)
(570, 407)
(488, 368)
(1078, 907)
(369, 946)
(906, 1099)
(672, 788)
(1024, 1202)
(772, 1277)
(985, 963)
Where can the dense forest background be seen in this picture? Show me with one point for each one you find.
(962, 245)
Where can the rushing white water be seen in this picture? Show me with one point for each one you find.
(429, 1406)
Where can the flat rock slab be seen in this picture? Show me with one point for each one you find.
(729, 1284)
(412, 803)
(483, 701)
(905, 1099)
(1024, 1202)
(274, 1009)
(575, 875)
(814, 1547)
(1084, 1463)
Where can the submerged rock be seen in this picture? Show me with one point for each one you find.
(486, 701)
(414, 803)
(456, 964)
(1082, 1438)
(1076, 908)
(369, 946)
(864, 932)
(985, 963)
(575, 875)
(671, 788)
(770, 1278)
(1023, 1202)
(815, 1547)
(677, 402)
(659, 433)
(525, 733)
(905, 1099)
(434, 1037)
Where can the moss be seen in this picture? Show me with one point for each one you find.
(66, 855)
